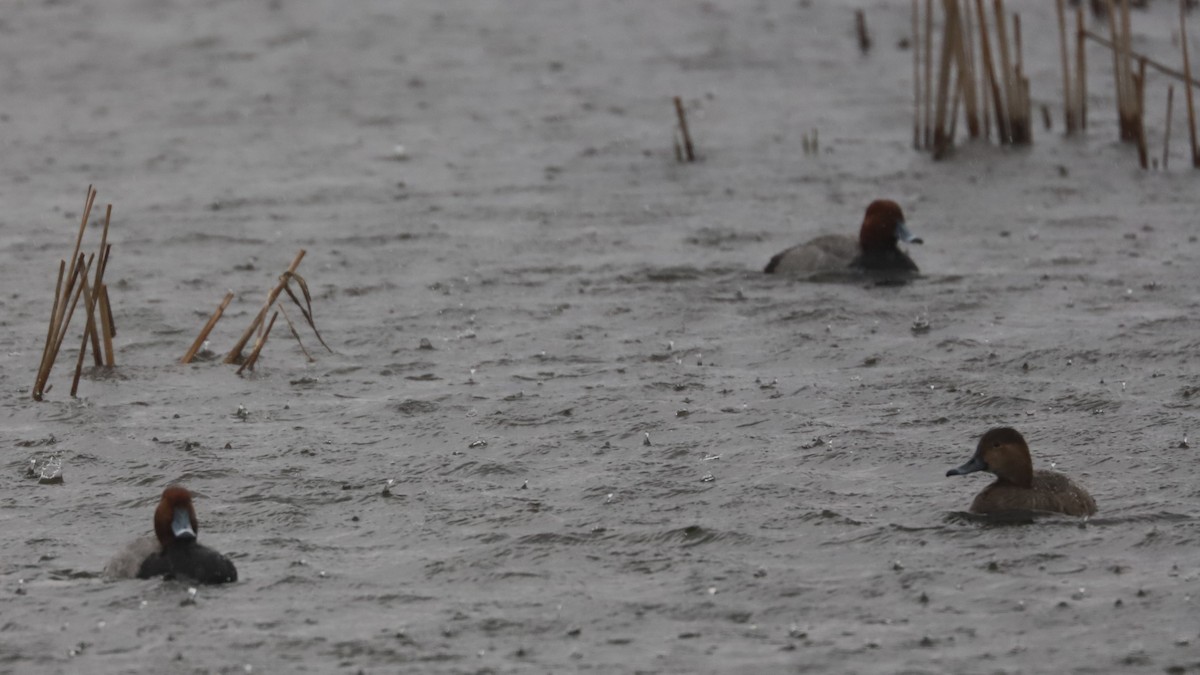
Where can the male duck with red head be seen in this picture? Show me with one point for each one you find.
(1018, 487)
(873, 253)
(173, 551)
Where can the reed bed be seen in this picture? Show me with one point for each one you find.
(99, 331)
(987, 76)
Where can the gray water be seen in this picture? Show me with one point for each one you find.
(580, 291)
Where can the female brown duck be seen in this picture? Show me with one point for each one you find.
(1018, 487)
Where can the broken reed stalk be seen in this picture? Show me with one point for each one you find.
(1005, 68)
(1187, 71)
(212, 322)
(91, 295)
(258, 345)
(915, 42)
(1180, 75)
(1068, 93)
(688, 149)
(1167, 133)
(295, 333)
(236, 352)
(1080, 69)
(860, 27)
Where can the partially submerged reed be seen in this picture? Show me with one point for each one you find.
(99, 330)
(282, 286)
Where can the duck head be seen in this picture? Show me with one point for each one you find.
(175, 517)
(1003, 452)
(883, 225)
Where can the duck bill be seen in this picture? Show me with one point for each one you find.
(904, 235)
(181, 525)
(974, 464)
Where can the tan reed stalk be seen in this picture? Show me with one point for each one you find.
(306, 307)
(1131, 90)
(1080, 69)
(1118, 80)
(212, 322)
(1005, 61)
(1167, 133)
(1024, 109)
(968, 37)
(112, 325)
(957, 89)
(928, 74)
(61, 322)
(1140, 87)
(1002, 127)
(916, 50)
(966, 74)
(258, 345)
(1068, 93)
(91, 299)
(295, 333)
(38, 381)
(1187, 73)
(688, 150)
(81, 270)
(940, 142)
(236, 353)
(106, 326)
(89, 332)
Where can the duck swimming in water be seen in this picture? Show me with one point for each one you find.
(173, 550)
(872, 254)
(1018, 487)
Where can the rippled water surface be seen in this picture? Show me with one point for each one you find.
(623, 449)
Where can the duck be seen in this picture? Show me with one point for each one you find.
(173, 551)
(1003, 452)
(873, 253)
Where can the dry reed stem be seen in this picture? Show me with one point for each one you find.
(966, 72)
(236, 353)
(258, 345)
(928, 74)
(916, 47)
(89, 332)
(940, 142)
(106, 326)
(688, 150)
(60, 320)
(1139, 82)
(1022, 110)
(1002, 127)
(1131, 89)
(1167, 133)
(295, 333)
(1068, 93)
(38, 381)
(81, 270)
(212, 322)
(1005, 69)
(1187, 71)
(1080, 68)
(307, 313)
